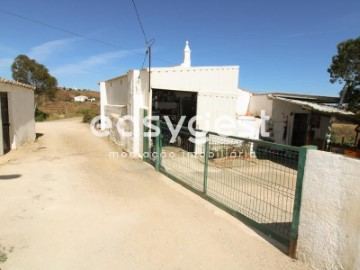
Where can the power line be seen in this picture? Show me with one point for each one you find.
(74, 33)
(148, 44)
(62, 30)
(139, 20)
(142, 66)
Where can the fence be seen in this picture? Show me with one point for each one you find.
(257, 181)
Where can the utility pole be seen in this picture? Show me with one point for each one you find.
(149, 52)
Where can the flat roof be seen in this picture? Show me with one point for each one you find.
(195, 68)
(177, 68)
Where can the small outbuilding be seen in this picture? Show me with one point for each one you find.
(17, 123)
(80, 98)
(297, 119)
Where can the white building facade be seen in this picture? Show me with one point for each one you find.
(211, 94)
(17, 124)
(296, 119)
(208, 92)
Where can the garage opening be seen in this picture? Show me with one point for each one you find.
(174, 104)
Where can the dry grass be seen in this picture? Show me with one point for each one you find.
(344, 132)
(64, 106)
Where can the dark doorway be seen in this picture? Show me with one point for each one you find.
(5, 122)
(174, 104)
(299, 134)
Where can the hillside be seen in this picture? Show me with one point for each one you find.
(63, 106)
(68, 95)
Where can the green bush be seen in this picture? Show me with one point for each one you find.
(40, 116)
(88, 115)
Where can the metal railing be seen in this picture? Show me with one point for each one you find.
(256, 181)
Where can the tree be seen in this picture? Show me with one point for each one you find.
(28, 71)
(345, 69)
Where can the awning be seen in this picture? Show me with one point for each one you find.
(322, 109)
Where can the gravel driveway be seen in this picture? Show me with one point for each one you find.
(65, 204)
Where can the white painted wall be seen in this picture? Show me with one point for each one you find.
(281, 111)
(103, 103)
(137, 100)
(258, 103)
(215, 85)
(21, 113)
(118, 90)
(198, 79)
(243, 102)
(329, 230)
(212, 108)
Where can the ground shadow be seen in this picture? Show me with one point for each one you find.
(9, 176)
(38, 135)
(287, 159)
(282, 228)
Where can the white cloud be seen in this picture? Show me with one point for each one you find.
(93, 61)
(5, 64)
(43, 51)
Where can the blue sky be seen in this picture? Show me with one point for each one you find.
(282, 46)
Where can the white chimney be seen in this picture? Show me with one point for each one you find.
(187, 56)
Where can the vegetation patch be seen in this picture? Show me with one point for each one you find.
(40, 115)
(3, 256)
(88, 115)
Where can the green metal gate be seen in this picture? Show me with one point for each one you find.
(258, 182)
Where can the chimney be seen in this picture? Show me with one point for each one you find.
(187, 56)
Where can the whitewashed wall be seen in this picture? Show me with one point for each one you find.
(217, 88)
(114, 92)
(21, 113)
(213, 107)
(116, 133)
(199, 79)
(243, 102)
(281, 111)
(259, 103)
(117, 90)
(329, 230)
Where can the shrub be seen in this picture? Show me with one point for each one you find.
(88, 115)
(40, 116)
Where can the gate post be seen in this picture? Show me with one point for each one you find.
(297, 201)
(157, 147)
(145, 138)
(206, 163)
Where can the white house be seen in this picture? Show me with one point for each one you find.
(17, 124)
(80, 98)
(208, 92)
(211, 93)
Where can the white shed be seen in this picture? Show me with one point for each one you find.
(17, 115)
(208, 92)
(297, 119)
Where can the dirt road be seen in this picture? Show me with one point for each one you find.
(65, 204)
